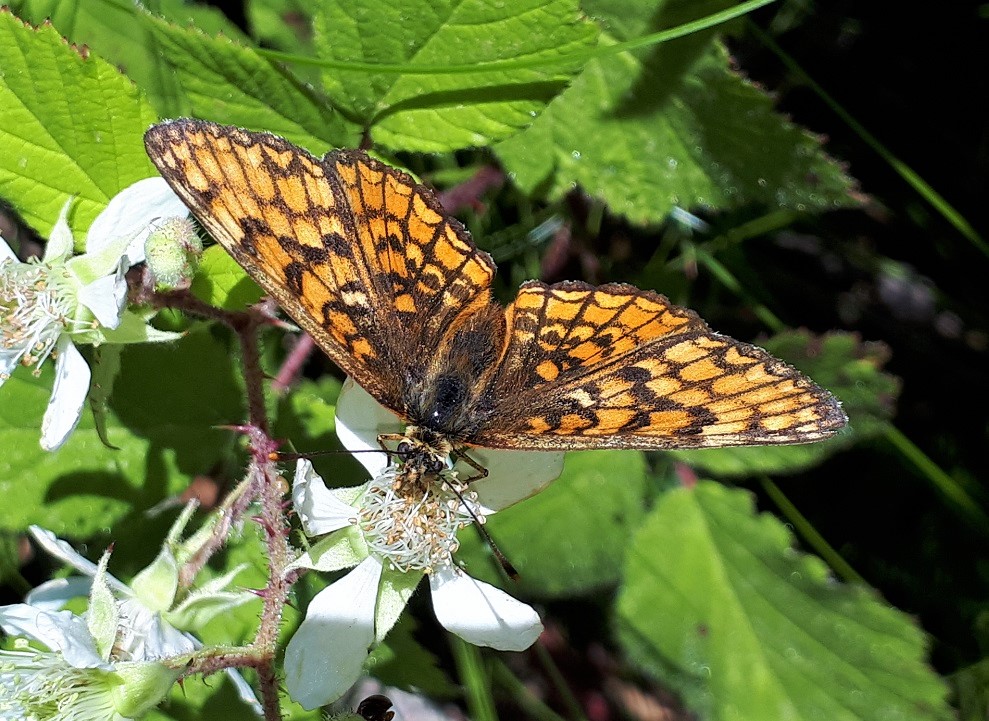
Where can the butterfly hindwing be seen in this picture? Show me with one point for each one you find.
(615, 366)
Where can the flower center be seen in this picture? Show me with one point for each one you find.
(34, 311)
(41, 685)
(416, 532)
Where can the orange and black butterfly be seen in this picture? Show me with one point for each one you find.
(398, 296)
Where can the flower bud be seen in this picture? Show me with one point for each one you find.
(172, 253)
(141, 686)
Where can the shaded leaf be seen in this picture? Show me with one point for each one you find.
(674, 128)
(970, 687)
(571, 537)
(231, 83)
(222, 283)
(161, 422)
(717, 603)
(844, 364)
(401, 661)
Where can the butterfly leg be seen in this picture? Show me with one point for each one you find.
(384, 438)
(482, 472)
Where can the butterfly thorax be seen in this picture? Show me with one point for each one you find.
(447, 394)
(423, 454)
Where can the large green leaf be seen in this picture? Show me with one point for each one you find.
(842, 363)
(119, 32)
(442, 111)
(675, 128)
(159, 420)
(231, 83)
(718, 604)
(70, 126)
(571, 537)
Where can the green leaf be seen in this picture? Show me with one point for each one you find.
(230, 83)
(119, 32)
(844, 364)
(401, 661)
(282, 24)
(159, 419)
(717, 603)
(677, 128)
(443, 111)
(970, 687)
(71, 126)
(571, 537)
(306, 421)
(105, 368)
(222, 283)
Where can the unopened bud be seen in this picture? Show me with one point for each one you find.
(172, 253)
(141, 686)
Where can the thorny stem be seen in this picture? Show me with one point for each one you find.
(260, 484)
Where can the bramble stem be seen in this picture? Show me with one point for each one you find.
(261, 484)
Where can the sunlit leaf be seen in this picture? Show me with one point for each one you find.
(718, 604)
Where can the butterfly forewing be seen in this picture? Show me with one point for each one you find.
(329, 239)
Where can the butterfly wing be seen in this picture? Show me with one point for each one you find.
(357, 253)
(615, 366)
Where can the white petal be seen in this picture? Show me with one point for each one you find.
(68, 395)
(360, 420)
(60, 631)
(326, 655)
(9, 360)
(245, 692)
(60, 240)
(56, 547)
(480, 613)
(131, 212)
(53, 595)
(147, 636)
(513, 476)
(6, 253)
(319, 509)
(106, 297)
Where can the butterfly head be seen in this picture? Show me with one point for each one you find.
(423, 455)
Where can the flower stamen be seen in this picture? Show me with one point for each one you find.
(415, 532)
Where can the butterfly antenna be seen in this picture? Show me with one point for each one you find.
(503, 561)
(278, 456)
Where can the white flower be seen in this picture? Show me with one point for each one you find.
(93, 668)
(394, 539)
(48, 307)
(148, 606)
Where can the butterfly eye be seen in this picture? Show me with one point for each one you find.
(404, 448)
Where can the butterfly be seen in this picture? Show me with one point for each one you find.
(396, 293)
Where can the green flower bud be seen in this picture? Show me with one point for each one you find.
(157, 583)
(141, 686)
(172, 253)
